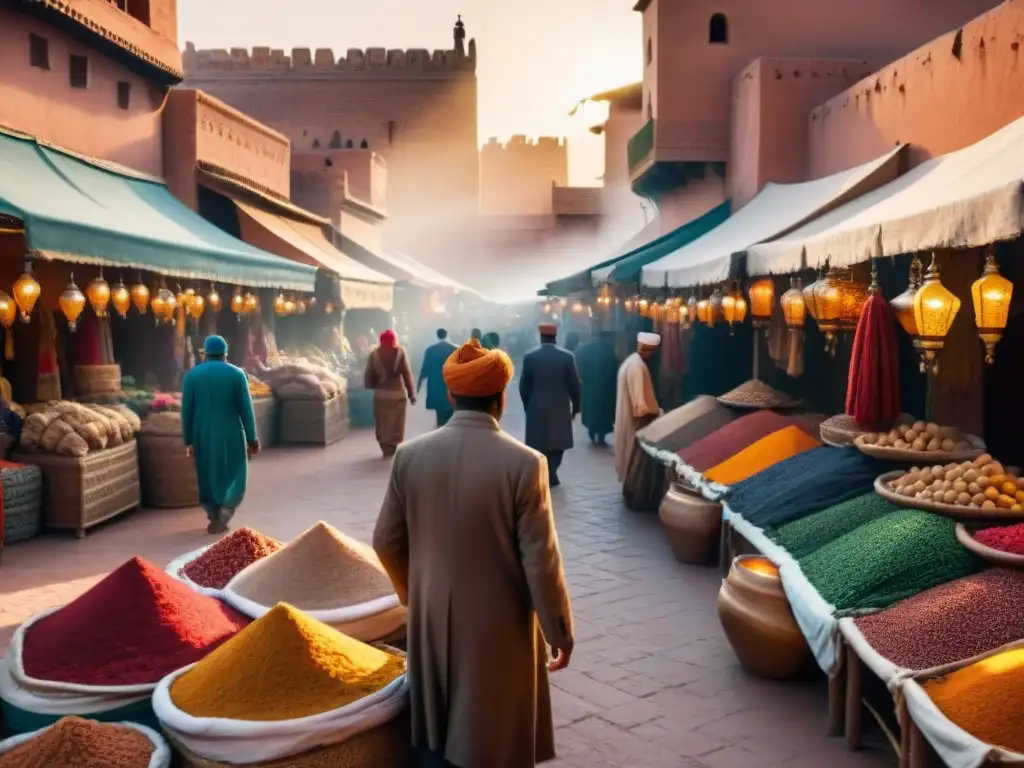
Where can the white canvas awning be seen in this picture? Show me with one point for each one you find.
(776, 210)
(968, 198)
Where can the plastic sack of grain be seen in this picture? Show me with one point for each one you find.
(159, 758)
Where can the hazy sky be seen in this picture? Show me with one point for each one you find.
(535, 58)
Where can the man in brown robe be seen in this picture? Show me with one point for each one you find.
(467, 534)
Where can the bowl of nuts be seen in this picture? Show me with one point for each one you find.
(921, 441)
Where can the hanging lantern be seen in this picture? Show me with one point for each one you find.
(8, 310)
(935, 309)
(121, 298)
(213, 300)
(164, 303)
(628, 305)
(903, 305)
(715, 307)
(300, 307)
(99, 295)
(794, 307)
(26, 293)
(196, 305)
(762, 301)
(674, 313)
(991, 294)
(311, 304)
(140, 296)
(734, 306)
(836, 301)
(577, 307)
(280, 308)
(691, 308)
(252, 303)
(238, 303)
(289, 306)
(810, 291)
(852, 296)
(72, 303)
(704, 311)
(644, 306)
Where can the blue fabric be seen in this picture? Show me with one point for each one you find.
(432, 372)
(215, 346)
(77, 210)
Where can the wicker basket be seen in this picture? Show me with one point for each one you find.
(79, 493)
(93, 380)
(23, 503)
(265, 409)
(167, 475)
(313, 422)
(386, 746)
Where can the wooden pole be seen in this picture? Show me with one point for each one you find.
(854, 708)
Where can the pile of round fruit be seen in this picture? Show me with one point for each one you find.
(981, 483)
(920, 436)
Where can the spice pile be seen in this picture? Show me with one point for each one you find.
(985, 699)
(766, 452)
(321, 569)
(72, 742)
(803, 484)
(756, 394)
(283, 666)
(982, 483)
(949, 623)
(919, 436)
(132, 628)
(733, 438)
(801, 537)
(221, 562)
(1008, 538)
(682, 426)
(889, 559)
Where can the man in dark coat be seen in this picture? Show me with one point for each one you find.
(433, 362)
(598, 367)
(550, 389)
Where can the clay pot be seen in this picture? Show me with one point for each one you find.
(693, 525)
(757, 620)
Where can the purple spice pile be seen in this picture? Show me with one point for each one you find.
(952, 622)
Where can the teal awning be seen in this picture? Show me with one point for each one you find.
(583, 280)
(83, 211)
(628, 267)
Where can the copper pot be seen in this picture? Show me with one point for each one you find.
(757, 620)
(693, 524)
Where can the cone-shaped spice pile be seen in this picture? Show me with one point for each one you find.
(873, 388)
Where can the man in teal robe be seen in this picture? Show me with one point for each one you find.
(220, 432)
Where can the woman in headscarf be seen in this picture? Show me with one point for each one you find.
(389, 376)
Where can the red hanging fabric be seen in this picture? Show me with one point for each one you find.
(873, 387)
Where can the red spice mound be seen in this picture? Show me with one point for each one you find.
(724, 443)
(1008, 538)
(221, 562)
(132, 628)
(76, 743)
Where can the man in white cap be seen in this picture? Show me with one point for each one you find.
(635, 403)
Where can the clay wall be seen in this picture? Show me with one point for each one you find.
(688, 202)
(516, 178)
(622, 124)
(944, 96)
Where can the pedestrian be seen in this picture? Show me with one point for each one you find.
(598, 366)
(219, 429)
(389, 376)
(467, 534)
(491, 341)
(635, 407)
(433, 364)
(550, 390)
(476, 335)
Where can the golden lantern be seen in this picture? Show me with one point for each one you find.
(734, 306)
(704, 311)
(26, 293)
(810, 300)
(140, 296)
(935, 309)
(300, 307)
(838, 300)
(289, 306)
(99, 295)
(196, 305)
(120, 298)
(762, 301)
(691, 308)
(577, 307)
(628, 305)
(238, 303)
(903, 305)
(673, 313)
(991, 294)
(164, 303)
(714, 312)
(252, 303)
(311, 303)
(794, 306)
(280, 305)
(644, 306)
(8, 310)
(72, 303)
(213, 300)
(852, 297)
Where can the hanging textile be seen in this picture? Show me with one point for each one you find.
(780, 340)
(873, 387)
(48, 375)
(795, 363)
(88, 346)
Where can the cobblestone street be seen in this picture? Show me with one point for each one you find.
(653, 683)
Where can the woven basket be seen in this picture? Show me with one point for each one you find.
(79, 493)
(312, 422)
(23, 503)
(92, 380)
(386, 746)
(166, 474)
(265, 409)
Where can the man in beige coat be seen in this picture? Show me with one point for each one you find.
(467, 534)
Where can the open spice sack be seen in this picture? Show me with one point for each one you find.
(210, 568)
(73, 741)
(283, 686)
(330, 576)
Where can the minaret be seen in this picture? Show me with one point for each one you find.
(460, 37)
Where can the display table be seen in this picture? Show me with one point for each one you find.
(313, 422)
(265, 410)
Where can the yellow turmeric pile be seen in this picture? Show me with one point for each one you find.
(756, 457)
(283, 666)
(985, 699)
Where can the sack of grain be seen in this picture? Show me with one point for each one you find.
(35, 425)
(72, 444)
(166, 424)
(55, 431)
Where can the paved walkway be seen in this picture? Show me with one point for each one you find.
(653, 682)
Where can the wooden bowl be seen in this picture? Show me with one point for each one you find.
(929, 458)
(955, 511)
(965, 535)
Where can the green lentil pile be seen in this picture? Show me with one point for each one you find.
(888, 559)
(801, 537)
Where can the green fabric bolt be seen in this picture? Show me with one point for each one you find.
(887, 560)
(802, 537)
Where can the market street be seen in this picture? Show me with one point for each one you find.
(653, 683)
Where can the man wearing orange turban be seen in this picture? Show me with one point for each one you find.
(467, 534)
